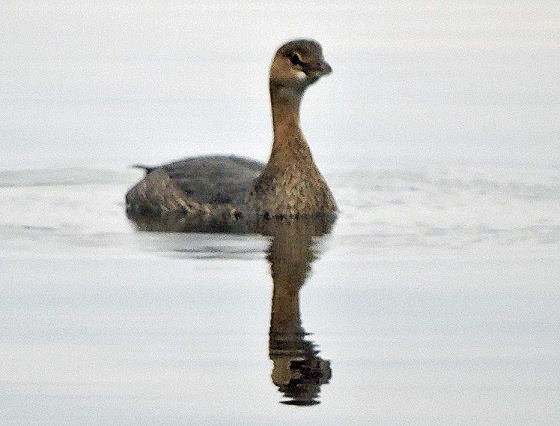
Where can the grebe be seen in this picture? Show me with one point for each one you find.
(215, 192)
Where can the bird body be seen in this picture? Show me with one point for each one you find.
(216, 191)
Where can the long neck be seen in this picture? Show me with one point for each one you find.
(289, 142)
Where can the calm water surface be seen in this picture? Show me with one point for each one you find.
(434, 299)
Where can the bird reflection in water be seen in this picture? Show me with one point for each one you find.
(298, 370)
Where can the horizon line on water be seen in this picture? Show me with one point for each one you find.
(325, 161)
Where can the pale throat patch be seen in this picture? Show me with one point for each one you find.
(300, 75)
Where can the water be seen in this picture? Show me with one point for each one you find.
(434, 299)
(149, 82)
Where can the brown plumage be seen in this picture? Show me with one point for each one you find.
(218, 192)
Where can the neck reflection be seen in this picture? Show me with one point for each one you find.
(298, 370)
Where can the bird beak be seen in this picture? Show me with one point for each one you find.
(325, 68)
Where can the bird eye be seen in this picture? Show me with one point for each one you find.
(295, 58)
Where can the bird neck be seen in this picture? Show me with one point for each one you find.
(289, 143)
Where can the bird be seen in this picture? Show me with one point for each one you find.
(221, 192)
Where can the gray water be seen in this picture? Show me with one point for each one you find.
(434, 299)
(148, 81)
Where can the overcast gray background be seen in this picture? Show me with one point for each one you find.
(126, 81)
